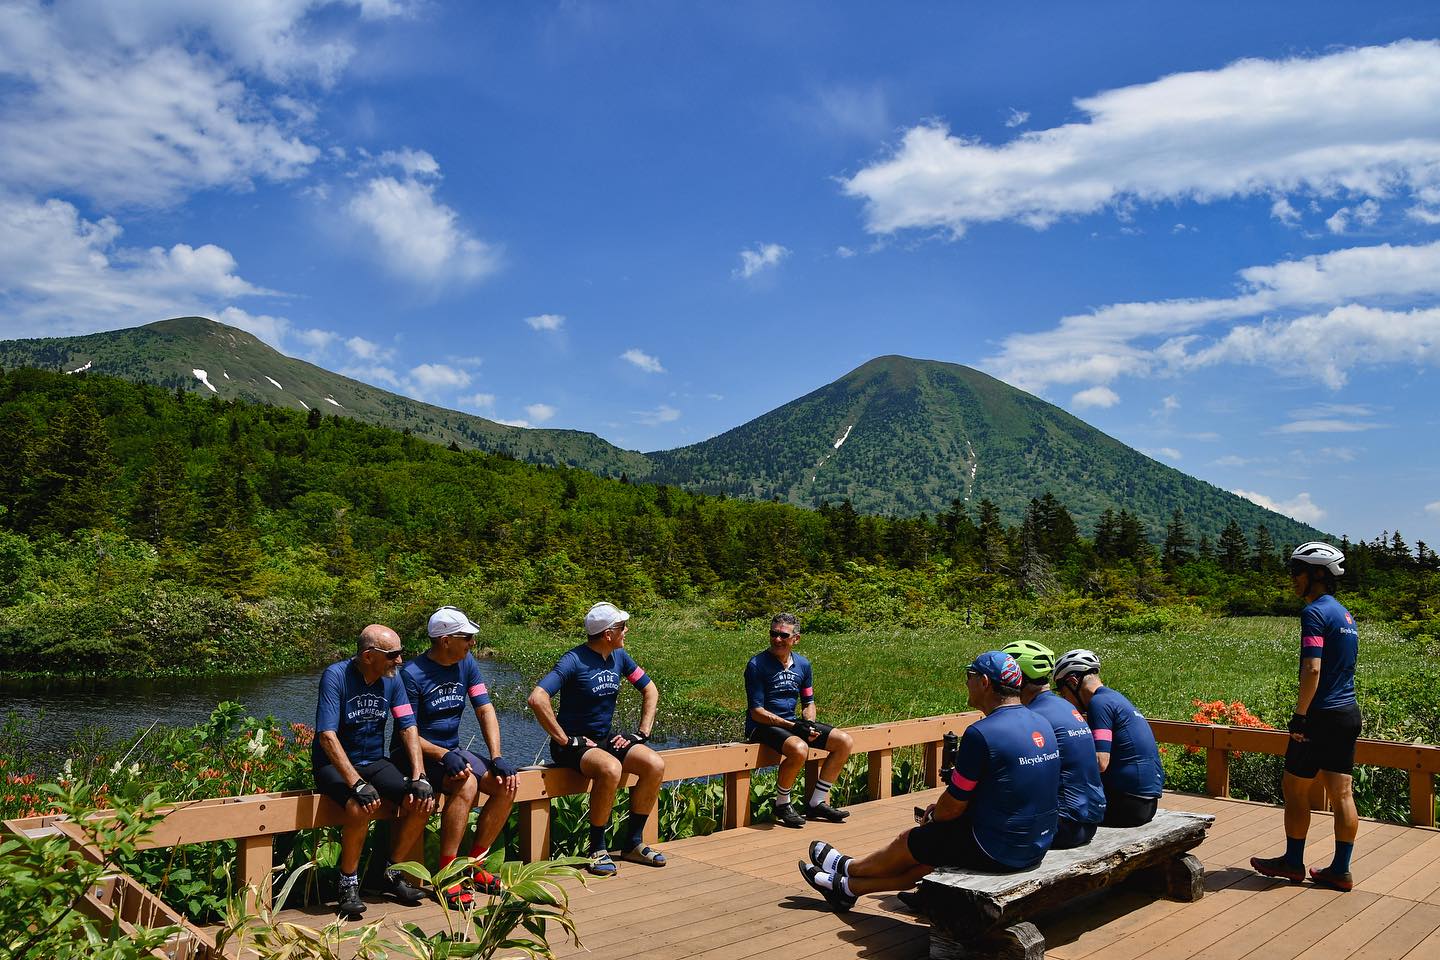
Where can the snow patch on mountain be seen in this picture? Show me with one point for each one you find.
(303, 403)
(88, 365)
(845, 436)
(276, 382)
(334, 401)
(204, 378)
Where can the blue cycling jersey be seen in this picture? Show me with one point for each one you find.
(439, 693)
(1082, 798)
(1008, 768)
(588, 685)
(776, 687)
(357, 712)
(1327, 631)
(1122, 731)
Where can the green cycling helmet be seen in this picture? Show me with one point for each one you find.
(1036, 660)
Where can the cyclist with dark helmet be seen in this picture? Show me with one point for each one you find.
(1326, 721)
(1082, 797)
(1125, 745)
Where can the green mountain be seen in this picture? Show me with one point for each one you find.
(212, 359)
(896, 435)
(907, 436)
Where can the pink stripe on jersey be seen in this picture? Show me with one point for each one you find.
(478, 690)
(635, 675)
(808, 692)
(402, 710)
(1104, 736)
(1312, 641)
(961, 782)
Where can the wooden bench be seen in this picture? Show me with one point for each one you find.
(977, 914)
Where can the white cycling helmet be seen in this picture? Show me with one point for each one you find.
(1318, 554)
(1078, 662)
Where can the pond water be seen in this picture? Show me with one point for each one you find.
(56, 712)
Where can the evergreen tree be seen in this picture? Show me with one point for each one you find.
(1176, 552)
(229, 555)
(1107, 536)
(164, 505)
(70, 487)
(1234, 549)
(994, 550)
(1264, 560)
(1033, 571)
(17, 438)
(1130, 540)
(1205, 550)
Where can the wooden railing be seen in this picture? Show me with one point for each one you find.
(1422, 761)
(253, 821)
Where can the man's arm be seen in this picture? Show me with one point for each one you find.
(539, 703)
(650, 702)
(767, 719)
(411, 736)
(330, 743)
(489, 727)
(948, 807)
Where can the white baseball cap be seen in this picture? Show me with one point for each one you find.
(449, 620)
(602, 617)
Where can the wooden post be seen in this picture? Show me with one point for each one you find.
(651, 833)
(1422, 798)
(878, 776)
(934, 757)
(535, 830)
(1217, 772)
(812, 777)
(737, 800)
(255, 858)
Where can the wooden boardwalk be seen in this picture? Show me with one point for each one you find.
(737, 894)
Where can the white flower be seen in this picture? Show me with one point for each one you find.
(258, 744)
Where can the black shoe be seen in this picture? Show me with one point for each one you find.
(786, 816)
(837, 900)
(823, 811)
(393, 882)
(349, 905)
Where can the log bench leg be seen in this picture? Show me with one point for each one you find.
(1023, 941)
(1179, 878)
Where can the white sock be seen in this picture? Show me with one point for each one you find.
(821, 794)
(782, 796)
(830, 863)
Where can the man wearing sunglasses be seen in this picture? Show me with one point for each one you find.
(587, 680)
(358, 697)
(1326, 722)
(776, 681)
(439, 683)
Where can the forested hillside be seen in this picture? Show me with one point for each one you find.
(149, 530)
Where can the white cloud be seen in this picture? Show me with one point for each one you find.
(1357, 121)
(513, 423)
(1343, 454)
(318, 340)
(1300, 507)
(765, 256)
(367, 349)
(1433, 508)
(1095, 397)
(546, 321)
(415, 163)
(1322, 425)
(1363, 215)
(540, 412)
(438, 376)
(642, 360)
(374, 373)
(661, 414)
(104, 100)
(1168, 405)
(1017, 118)
(844, 252)
(62, 274)
(418, 238)
(856, 111)
(1285, 212)
(1141, 338)
(477, 401)
(1231, 460)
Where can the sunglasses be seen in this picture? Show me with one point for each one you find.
(1298, 567)
(389, 654)
(780, 635)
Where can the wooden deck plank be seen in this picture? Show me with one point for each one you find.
(1392, 875)
(1346, 940)
(1427, 949)
(1400, 937)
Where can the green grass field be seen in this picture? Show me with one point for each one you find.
(890, 674)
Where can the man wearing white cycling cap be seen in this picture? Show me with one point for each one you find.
(587, 679)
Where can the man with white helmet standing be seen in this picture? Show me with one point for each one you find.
(1125, 745)
(1326, 722)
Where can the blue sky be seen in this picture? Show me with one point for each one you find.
(1213, 231)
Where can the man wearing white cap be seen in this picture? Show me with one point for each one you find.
(588, 681)
(438, 683)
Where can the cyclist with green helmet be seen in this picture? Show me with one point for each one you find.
(1082, 797)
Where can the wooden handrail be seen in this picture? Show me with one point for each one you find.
(1421, 761)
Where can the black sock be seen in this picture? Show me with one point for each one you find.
(597, 837)
(636, 829)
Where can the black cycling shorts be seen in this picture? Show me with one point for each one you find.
(952, 844)
(1126, 810)
(1072, 833)
(435, 770)
(1329, 743)
(383, 775)
(567, 756)
(775, 737)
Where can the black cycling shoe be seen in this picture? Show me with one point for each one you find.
(394, 883)
(823, 811)
(837, 900)
(786, 816)
(349, 906)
